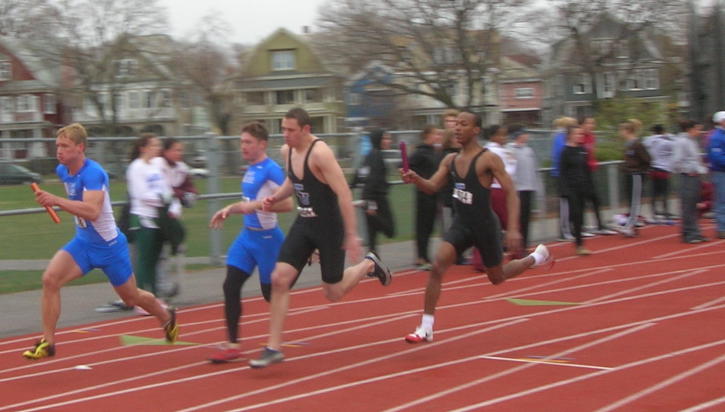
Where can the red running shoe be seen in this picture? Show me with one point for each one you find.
(225, 355)
(420, 335)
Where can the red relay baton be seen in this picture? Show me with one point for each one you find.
(49, 209)
(404, 155)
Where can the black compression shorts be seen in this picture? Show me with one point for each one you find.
(485, 238)
(310, 233)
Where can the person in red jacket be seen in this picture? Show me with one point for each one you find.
(589, 142)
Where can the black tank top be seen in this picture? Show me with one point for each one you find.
(314, 198)
(472, 201)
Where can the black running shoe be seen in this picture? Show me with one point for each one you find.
(379, 271)
(268, 357)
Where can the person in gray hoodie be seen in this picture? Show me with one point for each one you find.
(526, 179)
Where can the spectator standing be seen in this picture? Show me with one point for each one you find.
(660, 146)
(636, 165)
(151, 205)
(589, 142)
(716, 156)
(575, 182)
(558, 143)
(373, 176)
(687, 163)
(526, 180)
(424, 161)
(176, 172)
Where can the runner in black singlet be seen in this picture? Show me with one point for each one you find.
(318, 225)
(474, 224)
(326, 222)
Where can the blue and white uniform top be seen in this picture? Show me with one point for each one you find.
(91, 176)
(261, 180)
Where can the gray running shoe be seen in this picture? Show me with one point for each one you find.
(379, 271)
(268, 357)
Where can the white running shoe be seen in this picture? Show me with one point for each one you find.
(542, 250)
(420, 335)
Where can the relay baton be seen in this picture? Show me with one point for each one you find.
(49, 209)
(404, 155)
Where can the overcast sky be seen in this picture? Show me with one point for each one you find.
(250, 20)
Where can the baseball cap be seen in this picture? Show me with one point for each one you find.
(719, 117)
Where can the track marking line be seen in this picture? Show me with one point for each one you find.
(591, 375)
(545, 361)
(648, 285)
(705, 405)
(366, 345)
(663, 384)
(510, 371)
(710, 303)
(690, 249)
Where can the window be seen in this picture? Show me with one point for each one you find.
(49, 103)
(126, 67)
(134, 100)
(255, 97)
(26, 103)
(313, 95)
(651, 79)
(606, 84)
(354, 99)
(582, 84)
(524, 93)
(6, 70)
(148, 99)
(285, 96)
(6, 105)
(165, 98)
(283, 60)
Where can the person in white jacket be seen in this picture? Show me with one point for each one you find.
(177, 175)
(151, 199)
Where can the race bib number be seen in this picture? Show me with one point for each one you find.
(462, 195)
(80, 222)
(306, 212)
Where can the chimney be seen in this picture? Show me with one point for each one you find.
(305, 29)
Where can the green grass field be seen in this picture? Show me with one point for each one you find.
(35, 236)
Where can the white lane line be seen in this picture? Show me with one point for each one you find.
(591, 375)
(545, 362)
(647, 286)
(691, 248)
(705, 405)
(710, 303)
(300, 311)
(622, 246)
(161, 373)
(510, 371)
(354, 365)
(197, 377)
(667, 382)
(354, 322)
(367, 345)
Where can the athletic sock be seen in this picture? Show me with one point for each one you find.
(538, 258)
(427, 321)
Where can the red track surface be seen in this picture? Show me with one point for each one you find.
(647, 333)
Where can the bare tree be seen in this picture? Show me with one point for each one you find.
(660, 21)
(432, 45)
(204, 62)
(89, 39)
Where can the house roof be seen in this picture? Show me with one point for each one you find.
(46, 75)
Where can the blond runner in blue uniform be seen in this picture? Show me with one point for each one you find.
(98, 243)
